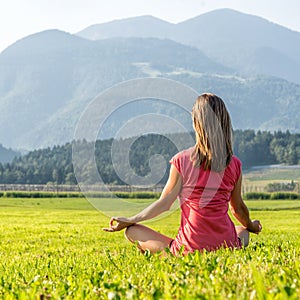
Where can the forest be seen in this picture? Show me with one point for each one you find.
(54, 165)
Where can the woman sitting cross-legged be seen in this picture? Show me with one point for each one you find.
(207, 179)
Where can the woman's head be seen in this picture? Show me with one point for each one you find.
(213, 131)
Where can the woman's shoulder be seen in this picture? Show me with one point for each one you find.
(182, 157)
(186, 153)
(236, 161)
(182, 160)
(235, 166)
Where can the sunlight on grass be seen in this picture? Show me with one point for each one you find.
(55, 248)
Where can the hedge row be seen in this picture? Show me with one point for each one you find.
(35, 194)
(272, 196)
(137, 195)
(125, 195)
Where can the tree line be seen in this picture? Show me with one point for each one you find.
(54, 165)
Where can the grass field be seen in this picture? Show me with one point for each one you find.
(55, 249)
(283, 173)
(258, 179)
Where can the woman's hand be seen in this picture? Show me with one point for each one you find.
(255, 227)
(118, 223)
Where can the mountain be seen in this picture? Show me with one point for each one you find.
(233, 38)
(47, 80)
(35, 82)
(143, 26)
(7, 155)
(236, 40)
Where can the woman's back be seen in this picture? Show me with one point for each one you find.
(204, 199)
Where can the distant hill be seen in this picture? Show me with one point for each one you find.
(47, 79)
(45, 87)
(7, 155)
(235, 39)
(143, 26)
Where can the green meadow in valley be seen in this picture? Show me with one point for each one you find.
(54, 248)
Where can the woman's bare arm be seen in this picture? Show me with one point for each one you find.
(240, 210)
(164, 203)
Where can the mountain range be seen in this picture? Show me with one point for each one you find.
(246, 43)
(47, 79)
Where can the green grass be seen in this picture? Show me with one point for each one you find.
(281, 205)
(258, 180)
(55, 249)
(273, 174)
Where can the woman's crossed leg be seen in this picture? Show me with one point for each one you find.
(147, 238)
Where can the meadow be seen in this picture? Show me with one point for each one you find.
(54, 248)
(258, 179)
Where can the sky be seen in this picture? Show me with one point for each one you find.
(20, 18)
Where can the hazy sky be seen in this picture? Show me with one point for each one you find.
(19, 18)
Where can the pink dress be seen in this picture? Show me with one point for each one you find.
(204, 201)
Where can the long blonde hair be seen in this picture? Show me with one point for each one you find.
(213, 132)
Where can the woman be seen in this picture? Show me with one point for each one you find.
(207, 179)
